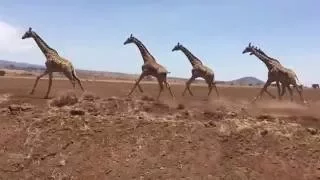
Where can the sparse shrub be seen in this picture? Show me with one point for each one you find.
(68, 98)
(2, 73)
(250, 84)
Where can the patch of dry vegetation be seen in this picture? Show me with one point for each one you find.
(65, 99)
(128, 138)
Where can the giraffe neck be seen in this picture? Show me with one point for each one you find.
(193, 59)
(44, 47)
(265, 59)
(146, 55)
(272, 59)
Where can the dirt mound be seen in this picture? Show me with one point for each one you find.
(89, 137)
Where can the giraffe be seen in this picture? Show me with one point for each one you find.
(276, 73)
(150, 67)
(198, 70)
(289, 71)
(54, 63)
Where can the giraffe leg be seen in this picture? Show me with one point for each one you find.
(160, 81)
(214, 84)
(188, 83)
(290, 92)
(262, 90)
(299, 90)
(209, 80)
(71, 78)
(279, 90)
(271, 95)
(49, 86)
(37, 80)
(139, 87)
(210, 88)
(283, 91)
(143, 74)
(169, 88)
(77, 79)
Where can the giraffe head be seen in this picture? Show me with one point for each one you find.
(249, 49)
(129, 40)
(177, 47)
(28, 34)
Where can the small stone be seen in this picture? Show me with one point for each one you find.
(181, 106)
(62, 162)
(232, 114)
(77, 112)
(210, 124)
(20, 107)
(264, 132)
(113, 98)
(312, 131)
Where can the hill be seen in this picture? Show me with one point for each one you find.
(246, 81)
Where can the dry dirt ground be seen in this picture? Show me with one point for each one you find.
(102, 134)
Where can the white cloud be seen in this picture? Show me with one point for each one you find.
(10, 39)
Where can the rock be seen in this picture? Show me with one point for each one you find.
(232, 114)
(77, 112)
(112, 98)
(265, 117)
(210, 124)
(181, 106)
(13, 108)
(312, 131)
(62, 162)
(264, 132)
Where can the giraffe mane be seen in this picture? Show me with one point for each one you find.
(263, 53)
(37, 36)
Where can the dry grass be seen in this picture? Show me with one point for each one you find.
(65, 99)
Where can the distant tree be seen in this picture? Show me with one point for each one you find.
(250, 84)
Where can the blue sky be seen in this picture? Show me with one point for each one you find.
(91, 34)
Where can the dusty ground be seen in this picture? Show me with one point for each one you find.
(101, 134)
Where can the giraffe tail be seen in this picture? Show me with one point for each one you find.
(298, 81)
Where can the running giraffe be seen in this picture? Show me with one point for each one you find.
(54, 63)
(289, 71)
(198, 70)
(276, 73)
(150, 67)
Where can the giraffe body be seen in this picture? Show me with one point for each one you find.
(54, 63)
(150, 67)
(198, 70)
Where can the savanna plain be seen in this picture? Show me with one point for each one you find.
(103, 134)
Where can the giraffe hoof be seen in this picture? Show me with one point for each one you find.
(31, 93)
